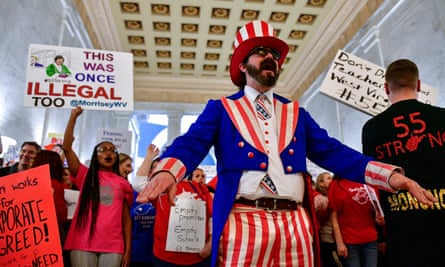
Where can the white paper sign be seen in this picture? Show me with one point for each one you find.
(11, 156)
(187, 224)
(66, 77)
(120, 138)
(360, 84)
(71, 199)
(374, 200)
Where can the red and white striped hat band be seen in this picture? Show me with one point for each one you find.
(254, 34)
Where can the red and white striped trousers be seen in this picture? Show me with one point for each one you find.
(255, 237)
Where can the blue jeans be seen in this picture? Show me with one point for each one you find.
(361, 255)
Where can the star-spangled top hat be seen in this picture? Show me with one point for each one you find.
(254, 34)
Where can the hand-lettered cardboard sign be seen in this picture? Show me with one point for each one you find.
(187, 224)
(29, 235)
(360, 84)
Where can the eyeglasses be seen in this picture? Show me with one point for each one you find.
(263, 51)
(106, 149)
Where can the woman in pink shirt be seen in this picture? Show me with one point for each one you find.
(97, 236)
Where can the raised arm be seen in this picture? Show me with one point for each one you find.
(141, 178)
(152, 152)
(68, 139)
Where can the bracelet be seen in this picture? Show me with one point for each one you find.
(389, 180)
(154, 174)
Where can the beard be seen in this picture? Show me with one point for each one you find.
(267, 79)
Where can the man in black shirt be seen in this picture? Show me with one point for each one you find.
(410, 134)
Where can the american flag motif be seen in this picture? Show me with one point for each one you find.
(268, 184)
(262, 112)
(253, 29)
(243, 116)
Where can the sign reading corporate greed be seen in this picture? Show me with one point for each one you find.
(360, 84)
(29, 234)
(66, 77)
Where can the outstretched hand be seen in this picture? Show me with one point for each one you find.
(162, 182)
(424, 196)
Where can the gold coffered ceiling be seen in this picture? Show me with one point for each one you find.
(182, 49)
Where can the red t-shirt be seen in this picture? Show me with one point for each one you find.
(59, 201)
(355, 213)
(162, 218)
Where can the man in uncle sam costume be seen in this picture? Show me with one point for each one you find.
(263, 206)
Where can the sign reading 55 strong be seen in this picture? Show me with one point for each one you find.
(65, 77)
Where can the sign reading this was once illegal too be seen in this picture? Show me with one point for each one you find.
(66, 77)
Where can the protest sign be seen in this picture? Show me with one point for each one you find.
(54, 138)
(66, 77)
(71, 198)
(120, 138)
(29, 233)
(374, 200)
(187, 224)
(11, 156)
(360, 84)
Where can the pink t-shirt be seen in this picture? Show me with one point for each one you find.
(107, 236)
(355, 213)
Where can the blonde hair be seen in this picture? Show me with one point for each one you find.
(123, 157)
(319, 180)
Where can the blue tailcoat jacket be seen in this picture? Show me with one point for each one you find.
(230, 126)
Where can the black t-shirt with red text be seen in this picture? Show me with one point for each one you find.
(411, 134)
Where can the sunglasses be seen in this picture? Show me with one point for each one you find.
(263, 51)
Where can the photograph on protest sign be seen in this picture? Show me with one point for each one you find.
(360, 84)
(29, 233)
(66, 77)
